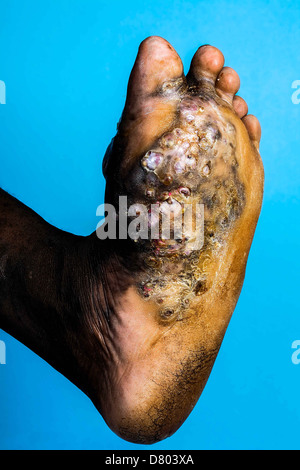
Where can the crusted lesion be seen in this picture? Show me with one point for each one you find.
(196, 162)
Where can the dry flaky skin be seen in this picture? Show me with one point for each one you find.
(137, 325)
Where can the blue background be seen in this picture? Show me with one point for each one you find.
(66, 64)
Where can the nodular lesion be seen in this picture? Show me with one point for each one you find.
(172, 278)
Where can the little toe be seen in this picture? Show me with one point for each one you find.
(227, 83)
(240, 106)
(253, 127)
(206, 64)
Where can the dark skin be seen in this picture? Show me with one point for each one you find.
(143, 354)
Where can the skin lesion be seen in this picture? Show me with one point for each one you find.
(201, 157)
(137, 325)
(195, 162)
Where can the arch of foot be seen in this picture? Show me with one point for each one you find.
(195, 162)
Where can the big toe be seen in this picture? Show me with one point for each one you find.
(152, 96)
(157, 68)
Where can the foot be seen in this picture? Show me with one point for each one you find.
(181, 140)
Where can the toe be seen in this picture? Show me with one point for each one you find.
(240, 106)
(253, 127)
(151, 102)
(157, 64)
(206, 64)
(227, 83)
